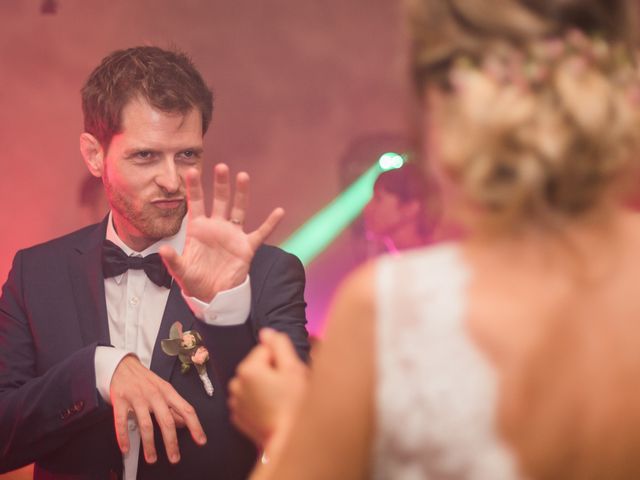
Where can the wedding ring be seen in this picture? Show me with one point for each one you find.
(235, 221)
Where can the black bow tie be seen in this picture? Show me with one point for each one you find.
(115, 262)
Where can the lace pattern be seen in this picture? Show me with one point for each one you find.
(436, 393)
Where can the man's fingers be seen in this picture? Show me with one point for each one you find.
(138, 391)
(240, 199)
(167, 425)
(195, 196)
(120, 417)
(284, 355)
(177, 418)
(145, 427)
(188, 414)
(221, 190)
(172, 260)
(259, 235)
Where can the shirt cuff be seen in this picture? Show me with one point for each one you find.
(106, 360)
(229, 307)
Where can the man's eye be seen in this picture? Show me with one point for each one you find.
(144, 155)
(189, 156)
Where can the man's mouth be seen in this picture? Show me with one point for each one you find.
(168, 204)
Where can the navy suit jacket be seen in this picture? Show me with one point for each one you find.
(53, 315)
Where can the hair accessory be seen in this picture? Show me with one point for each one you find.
(535, 66)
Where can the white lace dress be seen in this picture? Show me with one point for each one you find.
(436, 392)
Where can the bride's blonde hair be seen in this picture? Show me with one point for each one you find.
(539, 124)
(542, 112)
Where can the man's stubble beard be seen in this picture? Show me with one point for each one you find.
(153, 223)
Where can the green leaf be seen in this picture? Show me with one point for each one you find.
(176, 330)
(171, 346)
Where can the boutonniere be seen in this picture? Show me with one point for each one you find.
(189, 348)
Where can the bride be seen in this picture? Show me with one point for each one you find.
(515, 352)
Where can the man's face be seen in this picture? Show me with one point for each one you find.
(144, 171)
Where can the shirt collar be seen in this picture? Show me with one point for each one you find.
(177, 241)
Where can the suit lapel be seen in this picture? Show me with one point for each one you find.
(176, 310)
(85, 270)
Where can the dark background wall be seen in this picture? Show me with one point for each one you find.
(296, 82)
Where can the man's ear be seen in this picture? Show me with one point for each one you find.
(93, 154)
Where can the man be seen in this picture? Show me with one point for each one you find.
(402, 212)
(86, 391)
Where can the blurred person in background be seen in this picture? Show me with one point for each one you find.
(402, 212)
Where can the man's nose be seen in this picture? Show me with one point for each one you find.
(168, 178)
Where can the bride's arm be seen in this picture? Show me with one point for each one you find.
(331, 434)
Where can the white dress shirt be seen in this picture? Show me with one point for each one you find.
(135, 306)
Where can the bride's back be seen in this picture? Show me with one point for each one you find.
(523, 287)
(503, 356)
(559, 319)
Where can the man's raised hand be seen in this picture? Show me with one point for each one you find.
(217, 252)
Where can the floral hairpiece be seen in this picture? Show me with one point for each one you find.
(190, 349)
(533, 67)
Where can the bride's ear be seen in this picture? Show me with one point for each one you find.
(92, 153)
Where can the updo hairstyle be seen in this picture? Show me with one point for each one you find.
(542, 98)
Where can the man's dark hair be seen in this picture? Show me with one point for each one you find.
(408, 183)
(168, 80)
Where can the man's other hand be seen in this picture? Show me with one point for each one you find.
(136, 390)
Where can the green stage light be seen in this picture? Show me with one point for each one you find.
(320, 230)
(390, 160)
